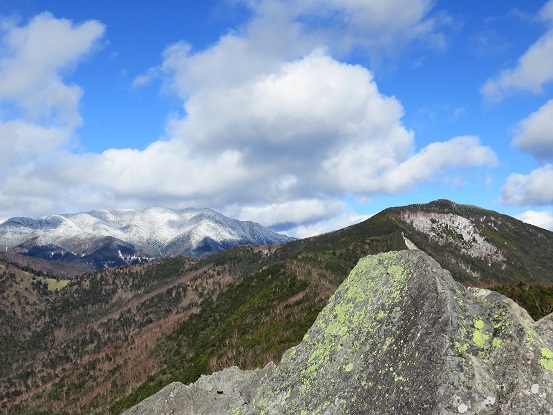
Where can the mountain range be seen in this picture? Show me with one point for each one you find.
(104, 341)
(107, 238)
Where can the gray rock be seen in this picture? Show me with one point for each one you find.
(209, 395)
(400, 336)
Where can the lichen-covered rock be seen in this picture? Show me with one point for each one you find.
(400, 336)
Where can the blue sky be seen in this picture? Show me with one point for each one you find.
(303, 115)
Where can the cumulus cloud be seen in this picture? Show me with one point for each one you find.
(35, 56)
(543, 219)
(23, 140)
(532, 189)
(275, 128)
(38, 109)
(534, 68)
(370, 171)
(283, 30)
(288, 30)
(292, 212)
(301, 105)
(534, 134)
(307, 133)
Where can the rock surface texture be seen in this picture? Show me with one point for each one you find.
(399, 336)
(213, 394)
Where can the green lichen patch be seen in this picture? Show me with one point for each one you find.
(371, 319)
(461, 348)
(547, 358)
(358, 305)
(479, 337)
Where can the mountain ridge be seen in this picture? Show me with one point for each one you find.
(129, 236)
(489, 245)
(113, 337)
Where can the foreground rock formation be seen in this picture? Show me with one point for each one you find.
(399, 336)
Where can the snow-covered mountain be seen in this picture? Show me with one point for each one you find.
(103, 238)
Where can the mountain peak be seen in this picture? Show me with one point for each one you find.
(144, 233)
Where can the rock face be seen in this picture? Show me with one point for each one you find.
(476, 245)
(399, 336)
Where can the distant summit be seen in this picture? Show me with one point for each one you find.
(106, 238)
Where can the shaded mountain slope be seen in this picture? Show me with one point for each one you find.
(113, 338)
(61, 269)
(108, 331)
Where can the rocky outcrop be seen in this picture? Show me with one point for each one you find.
(399, 336)
(210, 395)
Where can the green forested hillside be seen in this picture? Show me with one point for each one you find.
(111, 338)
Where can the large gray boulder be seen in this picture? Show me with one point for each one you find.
(400, 336)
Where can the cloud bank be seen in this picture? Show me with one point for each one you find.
(38, 110)
(543, 219)
(532, 189)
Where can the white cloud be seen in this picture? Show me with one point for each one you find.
(293, 211)
(380, 27)
(311, 131)
(38, 110)
(370, 170)
(35, 56)
(543, 219)
(275, 128)
(534, 134)
(534, 68)
(303, 109)
(22, 141)
(284, 30)
(323, 226)
(546, 13)
(532, 189)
